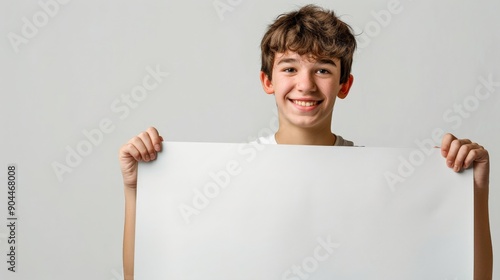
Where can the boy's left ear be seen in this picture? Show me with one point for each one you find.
(345, 87)
(267, 84)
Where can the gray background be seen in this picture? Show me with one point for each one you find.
(410, 71)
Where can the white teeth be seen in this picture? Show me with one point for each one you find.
(305, 103)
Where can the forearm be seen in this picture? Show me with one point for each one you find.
(129, 233)
(483, 253)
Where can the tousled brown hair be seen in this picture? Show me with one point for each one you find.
(310, 30)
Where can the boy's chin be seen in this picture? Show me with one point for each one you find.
(307, 123)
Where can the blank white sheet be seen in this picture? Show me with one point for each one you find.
(247, 211)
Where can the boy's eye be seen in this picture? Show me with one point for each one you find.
(289, 70)
(323, 71)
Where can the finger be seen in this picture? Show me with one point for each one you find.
(463, 152)
(446, 143)
(477, 154)
(141, 147)
(156, 139)
(453, 151)
(146, 140)
(130, 150)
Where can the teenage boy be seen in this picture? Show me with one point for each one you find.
(306, 64)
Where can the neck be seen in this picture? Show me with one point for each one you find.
(305, 136)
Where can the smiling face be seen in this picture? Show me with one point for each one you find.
(305, 89)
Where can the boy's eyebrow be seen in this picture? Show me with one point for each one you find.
(327, 61)
(293, 60)
(287, 60)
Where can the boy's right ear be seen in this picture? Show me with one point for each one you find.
(267, 84)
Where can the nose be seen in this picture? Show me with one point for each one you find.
(306, 82)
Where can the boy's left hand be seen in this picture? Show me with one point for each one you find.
(461, 154)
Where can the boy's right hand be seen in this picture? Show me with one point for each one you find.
(143, 147)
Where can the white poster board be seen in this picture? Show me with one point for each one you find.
(248, 211)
